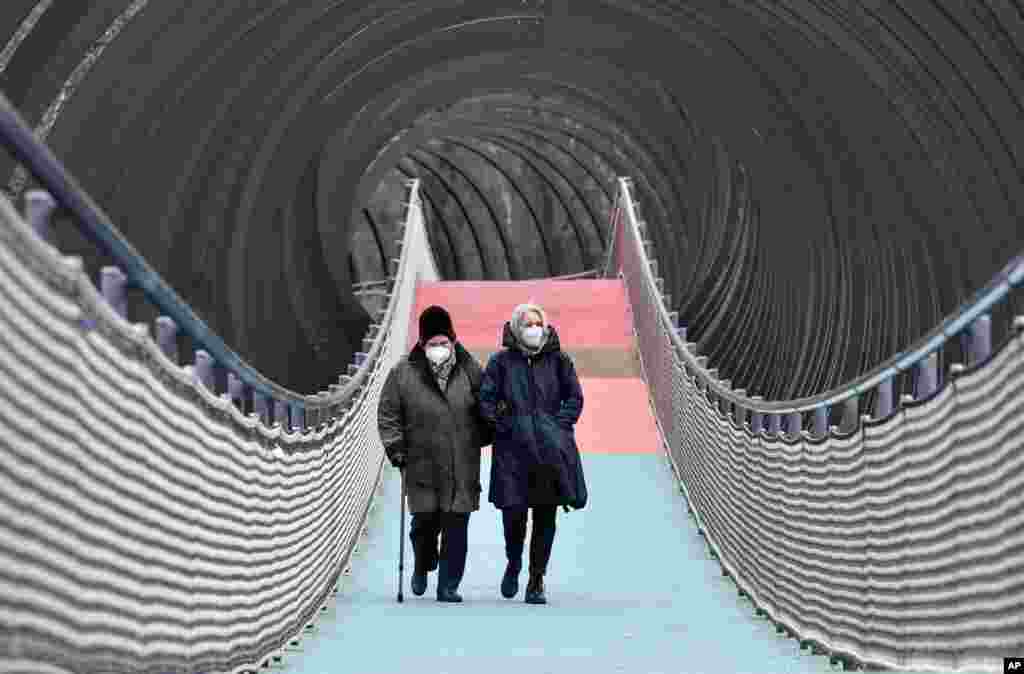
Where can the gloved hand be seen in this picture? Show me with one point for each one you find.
(398, 460)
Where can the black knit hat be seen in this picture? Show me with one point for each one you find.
(435, 321)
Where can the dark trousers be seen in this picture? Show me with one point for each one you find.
(541, 538)
(453, 529)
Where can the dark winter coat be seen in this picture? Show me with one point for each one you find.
(533, 402)
(440, 433)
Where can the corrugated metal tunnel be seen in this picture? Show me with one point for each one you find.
(824, 181)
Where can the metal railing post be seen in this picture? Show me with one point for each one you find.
(39, 208)
(926, 376)
(281, 414)
(980, 339)
(236, 391)
(203, 369)
(112, 286)
(261, 406)
(884, 402)
(820, 428)
(167, 337)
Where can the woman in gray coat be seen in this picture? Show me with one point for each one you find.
(430, 425)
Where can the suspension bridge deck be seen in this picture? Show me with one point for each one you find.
(630, 586)
(630, 589)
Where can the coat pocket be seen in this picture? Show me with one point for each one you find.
(421, 472)
(556, 435)
(504, 423)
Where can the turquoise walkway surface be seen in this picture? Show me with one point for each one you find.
(630, 588)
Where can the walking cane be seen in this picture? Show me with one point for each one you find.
(401, 538)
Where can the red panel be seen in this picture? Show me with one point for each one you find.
(617, 418)
(616, 415)
(585, 313)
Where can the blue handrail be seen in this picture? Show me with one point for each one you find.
(98, 228)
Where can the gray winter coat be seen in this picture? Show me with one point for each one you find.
(440, 433)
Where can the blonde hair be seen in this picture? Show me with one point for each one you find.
(520, 312)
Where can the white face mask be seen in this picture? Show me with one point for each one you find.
(532, 335)
(438, 354)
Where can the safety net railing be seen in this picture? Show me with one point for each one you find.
(147, 522)
(897, 543)
(215, 364)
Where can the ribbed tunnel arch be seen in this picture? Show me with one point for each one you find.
(823, 181)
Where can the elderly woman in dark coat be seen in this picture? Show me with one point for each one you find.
(532, 395)
(430, 425)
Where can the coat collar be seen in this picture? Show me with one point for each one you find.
(418, 359)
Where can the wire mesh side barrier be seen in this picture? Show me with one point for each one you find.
(247, 387)
(148, 523)
(898, 543)
(917, 366)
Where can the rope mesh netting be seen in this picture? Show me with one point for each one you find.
(899, 544)
(148, 525)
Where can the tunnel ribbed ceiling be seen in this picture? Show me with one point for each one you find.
(823, 181)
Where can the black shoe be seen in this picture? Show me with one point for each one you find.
(419, 583)
(448, 595)
(510, 581)
(535, 590)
